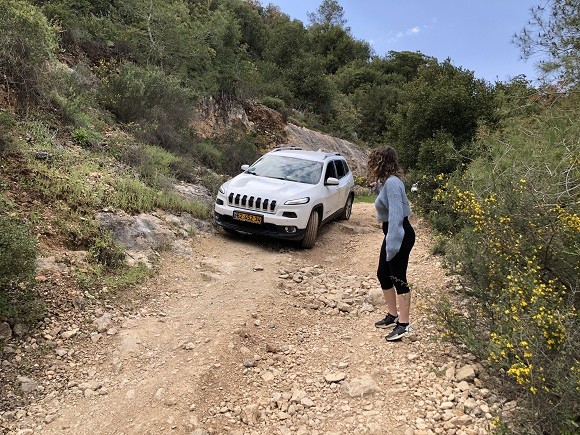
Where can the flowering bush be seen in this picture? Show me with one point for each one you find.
(518, 249)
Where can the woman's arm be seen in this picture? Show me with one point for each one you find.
(396, 216)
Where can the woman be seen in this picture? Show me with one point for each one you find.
(393, 211)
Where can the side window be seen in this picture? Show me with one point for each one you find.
(341, 168)
(330, 171)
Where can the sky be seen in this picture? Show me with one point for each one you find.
(475, 34)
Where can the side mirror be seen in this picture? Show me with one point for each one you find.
(331, 181)
(245, 167)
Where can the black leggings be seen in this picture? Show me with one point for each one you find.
(395, 271)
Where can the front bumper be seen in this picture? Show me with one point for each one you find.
(265, 229)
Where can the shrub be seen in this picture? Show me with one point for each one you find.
(518, 248)
(274, 103)
(28, 42)
(236, 152)
(17, 265)
(154, 164)
(7, 122)
(104, 251)
(134, 93)
(86, 137)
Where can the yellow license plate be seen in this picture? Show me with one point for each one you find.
(249, 217)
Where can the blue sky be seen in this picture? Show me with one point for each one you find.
(475, 34)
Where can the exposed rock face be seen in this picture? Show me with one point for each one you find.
(313, 140)
(214, 118)
(143, 235)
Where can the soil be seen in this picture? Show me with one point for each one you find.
(255, 336)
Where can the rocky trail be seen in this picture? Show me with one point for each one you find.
(248, 336)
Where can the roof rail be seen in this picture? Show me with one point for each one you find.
(286, 148)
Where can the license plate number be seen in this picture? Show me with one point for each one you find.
(249, 217)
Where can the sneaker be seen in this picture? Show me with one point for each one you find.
(388, 320)
(398, 332)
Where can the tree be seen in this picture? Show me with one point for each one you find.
(329, 13)
(444, 103)
(554, 31)
(336, 46)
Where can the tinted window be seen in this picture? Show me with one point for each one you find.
(330, 171)
(341, 168)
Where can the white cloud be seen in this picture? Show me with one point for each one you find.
(394, 37)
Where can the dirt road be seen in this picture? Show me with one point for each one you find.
(252, 336)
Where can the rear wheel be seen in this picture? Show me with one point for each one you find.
(311, 231)
(347, 210)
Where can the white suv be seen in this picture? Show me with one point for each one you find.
(288, 193)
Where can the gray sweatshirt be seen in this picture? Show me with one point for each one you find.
(393, 206)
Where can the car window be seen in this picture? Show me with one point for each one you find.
(341, 170)
(287, 168)
(330, 170)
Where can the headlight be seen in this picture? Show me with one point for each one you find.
(222, 189)
(297, 201)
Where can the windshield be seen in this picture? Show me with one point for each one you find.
(287, 168)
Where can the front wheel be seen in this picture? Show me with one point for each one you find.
(311, 231)
(347, 210)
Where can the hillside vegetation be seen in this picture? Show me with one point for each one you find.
(100, 103)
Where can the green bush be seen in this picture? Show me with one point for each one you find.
(28, 42)
(236, 152)
(87, 138)
(7, 122)
(104, 251)
(134, 93)
(17, 265)
(274, 103)
(518, 248)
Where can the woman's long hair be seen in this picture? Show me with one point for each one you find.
(382, 163)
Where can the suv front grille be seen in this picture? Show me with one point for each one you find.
(251, 202)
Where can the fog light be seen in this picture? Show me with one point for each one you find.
(290, 230)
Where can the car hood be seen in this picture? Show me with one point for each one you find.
(271, 187)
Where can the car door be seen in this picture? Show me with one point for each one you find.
(333, 193)
(344, 185)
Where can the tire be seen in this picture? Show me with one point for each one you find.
(347, 210)
(311, 231)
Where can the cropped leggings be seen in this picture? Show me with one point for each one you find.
(394, 272)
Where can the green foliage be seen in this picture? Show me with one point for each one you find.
(104, 251)
(17, 252)
(274, 103)
(336, 47)
(554, 31)
(442, 99)
(7, 122)
(226, 153)
(86, 137)
(134, 196)
(236, 152)
(365, 198)
(517, 245)
(329, 13)
(136, 93)
(17, 265)
(28, 42)
(157, 104)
